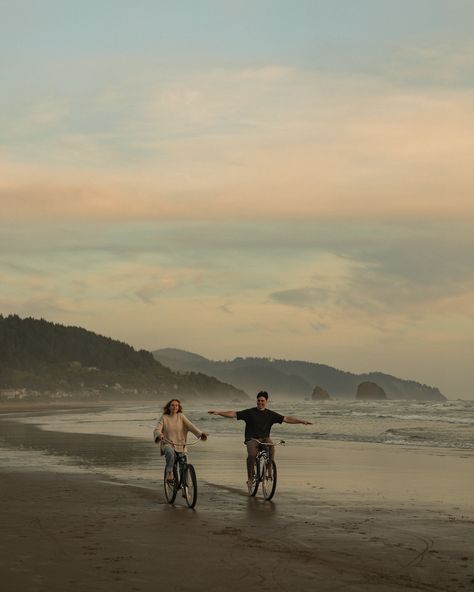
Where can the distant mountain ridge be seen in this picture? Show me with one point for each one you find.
(42, 356)
(289, 378)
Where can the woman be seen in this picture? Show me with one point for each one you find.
(172, 430)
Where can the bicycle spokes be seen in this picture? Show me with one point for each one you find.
(171, 487)
(252, 484)
(190, 486)
(269, 479)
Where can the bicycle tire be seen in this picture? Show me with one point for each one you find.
(190, 486)
(269, 479)
(171, 487)
(253, 488)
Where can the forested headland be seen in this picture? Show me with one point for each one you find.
(50, 359)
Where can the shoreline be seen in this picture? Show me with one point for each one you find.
(65, 527)
(31, 407)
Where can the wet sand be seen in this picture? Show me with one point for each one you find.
(22, 406)
(346, 517)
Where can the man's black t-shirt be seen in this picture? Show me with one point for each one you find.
(258, 423)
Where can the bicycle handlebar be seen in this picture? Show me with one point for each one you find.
(195, 441)
(280, 442)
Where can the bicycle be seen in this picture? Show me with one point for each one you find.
(184, 478)
(265, 471)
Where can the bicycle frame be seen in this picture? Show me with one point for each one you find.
(179, 467)
(262, 458)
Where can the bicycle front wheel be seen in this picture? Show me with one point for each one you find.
(269, 479)
(171, 487)
(253, 486)
(190, 486)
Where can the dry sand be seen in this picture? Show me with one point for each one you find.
(355, 518)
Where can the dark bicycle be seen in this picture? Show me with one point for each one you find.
(265, 471)
(184, 478)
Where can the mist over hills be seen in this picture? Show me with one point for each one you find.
(293, 379)
(46, 357)
(49, 358)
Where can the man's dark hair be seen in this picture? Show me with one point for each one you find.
(263, 394)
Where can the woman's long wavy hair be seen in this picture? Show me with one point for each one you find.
(167, 407)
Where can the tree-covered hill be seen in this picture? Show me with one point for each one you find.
(32, 343)
(44, 356)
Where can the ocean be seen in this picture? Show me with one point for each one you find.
(447, 424)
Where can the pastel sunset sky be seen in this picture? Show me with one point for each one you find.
(239, 178)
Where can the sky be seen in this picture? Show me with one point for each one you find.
(245, 178)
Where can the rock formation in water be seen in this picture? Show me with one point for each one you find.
(319, 394)
(370, 391)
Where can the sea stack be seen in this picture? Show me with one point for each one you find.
(370, 391)
(319, 394)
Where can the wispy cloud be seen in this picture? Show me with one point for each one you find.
(48, 306)
(447, 64)
(224, 146)
(404, 275)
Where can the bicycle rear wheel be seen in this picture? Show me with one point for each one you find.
(269, 479)
(190, 486)
(253, 487)
(171, 487)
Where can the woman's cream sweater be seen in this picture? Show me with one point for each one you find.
(175, 428)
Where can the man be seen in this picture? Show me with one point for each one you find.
(258, 424)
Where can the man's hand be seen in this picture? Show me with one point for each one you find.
(289, 419)
(204, 436)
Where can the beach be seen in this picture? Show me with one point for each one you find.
(87, 511)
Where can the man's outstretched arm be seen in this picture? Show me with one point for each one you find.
(289, 419)
(224, 413)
